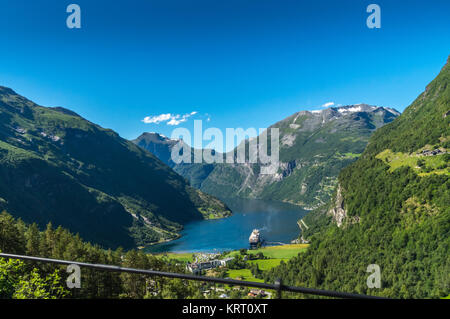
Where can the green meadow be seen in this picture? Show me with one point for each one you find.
(274, 254)
(266, 264)
(181, 257)
(422, 165)
(277, 252)
(242, 274)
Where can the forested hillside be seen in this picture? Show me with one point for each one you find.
(391, 208)
(57, 167)
(28, 280)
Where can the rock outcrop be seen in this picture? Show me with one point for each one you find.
(338, 211)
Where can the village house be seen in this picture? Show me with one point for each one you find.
(256, 292)
(199, 266)
(430, 153)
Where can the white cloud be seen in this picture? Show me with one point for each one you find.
(328, 104)
(171, 119)
(174, 121)
(157, 119)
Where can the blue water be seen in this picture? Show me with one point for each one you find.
(276, 221)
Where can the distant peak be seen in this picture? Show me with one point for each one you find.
(361, 107)
(156, 137)
(6, 90)
(353, 108)
(156, 134)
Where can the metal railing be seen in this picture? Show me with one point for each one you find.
(277, 286)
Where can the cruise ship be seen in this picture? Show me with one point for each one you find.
(255, 238)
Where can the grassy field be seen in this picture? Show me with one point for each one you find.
(183, 257)
(431, 164)
(243, 274)
(277, 252)
(284, 251)
(266, 264)
(275, 255)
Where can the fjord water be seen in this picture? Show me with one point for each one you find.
(277, 222)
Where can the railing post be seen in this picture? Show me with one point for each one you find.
(278, 288)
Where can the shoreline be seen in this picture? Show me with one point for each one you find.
(184, 246)
(159, 242)
(180, 235)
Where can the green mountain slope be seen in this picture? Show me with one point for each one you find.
(56, 166)
(391, 208)
(314, 147)
(161, 146)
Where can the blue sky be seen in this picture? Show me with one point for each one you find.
(240, 63)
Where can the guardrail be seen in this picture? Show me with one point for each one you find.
(277, 286)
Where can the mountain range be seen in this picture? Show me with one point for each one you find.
(57, 167)
(314, 147)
